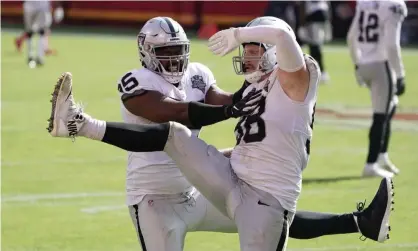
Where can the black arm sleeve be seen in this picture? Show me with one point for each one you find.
(203, 114)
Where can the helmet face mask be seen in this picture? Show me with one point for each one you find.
(164, 48)
(249, 59)
(171, 60)
(253, 61)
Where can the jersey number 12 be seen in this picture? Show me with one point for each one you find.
(368, 25)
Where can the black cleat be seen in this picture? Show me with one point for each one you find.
(373, 222)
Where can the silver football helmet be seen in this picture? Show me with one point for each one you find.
(267, 61)
(164, 48)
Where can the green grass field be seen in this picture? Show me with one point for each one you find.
(59, 195)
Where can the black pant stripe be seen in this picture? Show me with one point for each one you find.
(390, 94)
(141, 237)
(283, 236)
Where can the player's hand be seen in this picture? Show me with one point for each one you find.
(58, 14)
(224, 41)
(359, 79)
(400, 86)
(245, 106)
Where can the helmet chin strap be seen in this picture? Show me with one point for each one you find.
(255, 76)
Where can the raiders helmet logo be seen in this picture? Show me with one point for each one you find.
(198, 83)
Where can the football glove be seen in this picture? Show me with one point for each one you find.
(400, 86)
(224, 41)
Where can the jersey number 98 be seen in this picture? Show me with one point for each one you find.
(252, 128)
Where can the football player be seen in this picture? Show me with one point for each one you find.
(315, 29)
(374, 42)
(37, 20)
(162, 203)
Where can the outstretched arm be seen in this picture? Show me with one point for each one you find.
(158, 108)
(292, 71)
(217, 96)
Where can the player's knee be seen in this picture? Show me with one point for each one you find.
(179, 130)
(41, 32)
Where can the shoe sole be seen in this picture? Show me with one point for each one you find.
(53, 124)
(385, 227)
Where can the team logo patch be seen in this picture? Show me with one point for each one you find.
(198, 83)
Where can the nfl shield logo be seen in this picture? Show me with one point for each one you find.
(198, 83)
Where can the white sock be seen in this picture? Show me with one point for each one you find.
(384, 156)
(92, 128)
(42, 47)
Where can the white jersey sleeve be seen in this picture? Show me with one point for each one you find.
(198, 80)
(397, 13)
(137, 82)
(351, 36)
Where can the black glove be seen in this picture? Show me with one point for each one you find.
(400, 86)
(245, 106)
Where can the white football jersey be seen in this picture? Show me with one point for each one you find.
(273, 143)
(312, 6)
(376, 25)
(39, 5)
(156, 172)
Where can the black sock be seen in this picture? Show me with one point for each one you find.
(315, 51)
(376, 137)
(308, 225)
(137, 138)
(386, 136)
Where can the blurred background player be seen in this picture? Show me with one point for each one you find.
(37, 20)
(374, 43)
(315, 29)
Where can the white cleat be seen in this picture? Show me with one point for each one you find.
(66, 117)
(374, 169)
(385, 162)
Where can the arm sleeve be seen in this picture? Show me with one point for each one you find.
(351, 39)
(208, 76)
(289, 55)
(132, 84)
(393, 39)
